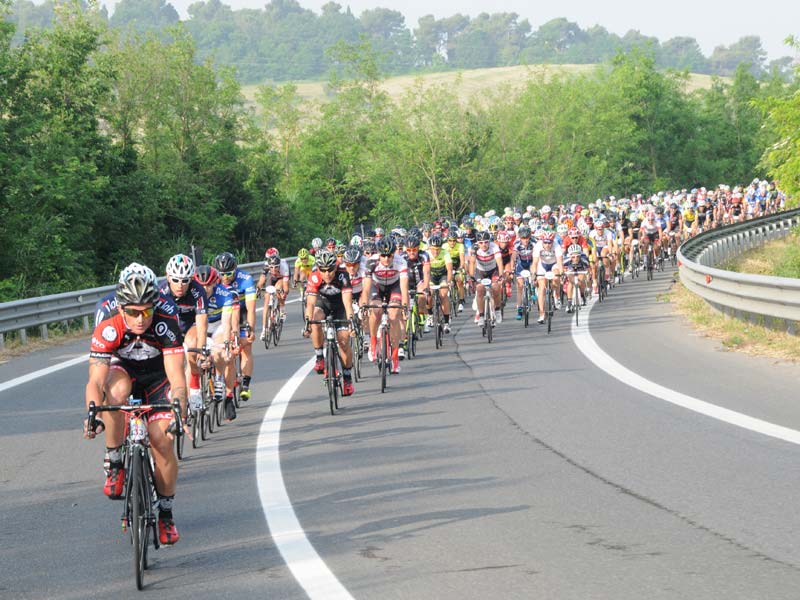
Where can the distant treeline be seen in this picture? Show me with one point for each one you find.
(116, 148)
(285, 41)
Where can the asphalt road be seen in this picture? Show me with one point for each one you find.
(516, 469)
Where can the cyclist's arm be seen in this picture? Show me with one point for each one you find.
(404, 290)
(173, 365)
(98, 372)
(347, 298)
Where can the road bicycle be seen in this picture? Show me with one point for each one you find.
(438, 321)
(649, 261)
(333, 378)
(357, 344)
(527, 296)
(274, 323)
(636, 259)
(199, 420)
(577, 292)
(549, 299)
(413, 325)
(139, 515)
(488, 309)
(384, 349)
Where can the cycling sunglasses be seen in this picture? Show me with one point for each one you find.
(321, 270)
(135, 312)
(226, 273)
(182, 281)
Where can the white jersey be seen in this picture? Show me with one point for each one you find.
(486, 260)
(390, 274)
(548, 256)
(357, 280)
(601, 240)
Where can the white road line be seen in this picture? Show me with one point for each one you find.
(11, 383)
(308, 568)
(585, 342)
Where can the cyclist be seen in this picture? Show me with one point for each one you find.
(329, 293)
(606, 248)
(388, 282)
(505, 244)
(276, 274)
(419, 278)
(302, 266)
(577, 261)
(190, 298)
(523, 259)
(242, 283)
(441, 273)
(548, 256)
(674, 226)
(223, 317)
(649, 233)
(485, 262)
(455, 248)
(139, 350)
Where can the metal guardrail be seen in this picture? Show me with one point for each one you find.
(40, 312)
(770, 301)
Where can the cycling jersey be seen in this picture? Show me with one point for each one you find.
(221, 301)
(244, 285)
(581, 265)
(416, 265)
(390, 274)
(329, 295)
(439, 266)
(601, 240)
(143, 353)
(191, 304)
(486, 259)
(505, 254)
(455, 251)
(305, 266)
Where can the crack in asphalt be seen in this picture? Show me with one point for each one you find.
(614, 485)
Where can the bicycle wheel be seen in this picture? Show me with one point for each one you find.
(356, 370)
(277, 332)
(437, 321)
(526, 303)
(180, 439)
(386, 358)
(548, 306)
(138, 522)
(268, 333)
(488, 313)
(576, 301)
(197, 425)
(330, 376)
(412, 335)
(208, 403)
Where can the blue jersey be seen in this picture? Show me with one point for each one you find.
(221, 300)
(244, 285)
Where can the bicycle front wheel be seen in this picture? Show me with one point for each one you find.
(385, 358)
(330, 377)
(138, 517)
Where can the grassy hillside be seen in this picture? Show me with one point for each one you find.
(473, 81)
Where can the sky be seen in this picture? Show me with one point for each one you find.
(711, 23)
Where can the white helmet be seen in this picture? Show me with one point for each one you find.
(545, 209)
(574, 249)
(562, 229)
(180, 266)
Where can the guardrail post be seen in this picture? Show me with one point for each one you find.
(2, 342)
(23, 337)
(85, 323)
(43, 329)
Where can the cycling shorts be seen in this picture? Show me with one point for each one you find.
(334, 308)
(494, 275)
(387, 293)
(149, 385)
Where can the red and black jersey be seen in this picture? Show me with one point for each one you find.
(112, 338)
(332, 291)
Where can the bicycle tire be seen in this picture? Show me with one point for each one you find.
(548, 301)
(138, 520)
(196, 428)
(487, 317)
(412, 336)
(385, 359)
(278, 331)
(268, 335)
(576, 301)
(356, 369)
(526, 303)
(437, 321)
(219, 411)
(208, 395)
(330, 378)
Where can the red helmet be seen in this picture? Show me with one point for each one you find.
(271, 252)
(573, 232)
(502, 237)
(548, 236)
(206, 275)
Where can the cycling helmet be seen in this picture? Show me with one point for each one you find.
(452, 234)
(599, 224)
(273, 261)
(340, 249)
(206, 275)
(574, 249)
(356, 241)
(562, 229)
(379, 232)
(302, 254)
(435, 241)
(180, 266)
(352, 254)
(326, 260)
(460, 234)
(589, 221)
(271, 252)
(330, 243)
(546, 209)
(137, 285)
(548, 236)
(370, 247)
(225, 262)
(573, 232)
(399, 232)
(494, 226)
(651, 215)
(385, 246)
(412, 241)
(484, 236)
(415, 231)
(503, 238)
(584, 229)
(316, 243)
(524, 232)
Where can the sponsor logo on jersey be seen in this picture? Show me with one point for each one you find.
(109, 333)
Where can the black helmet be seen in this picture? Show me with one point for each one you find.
(369, 247)
(385, 246)
(274, 261)
(412, 241)
(326, 260)
(524, 232)
(435, 241)
(484, 236)
(137, 285)
(225, 262)
(352, 254)
(452, 233)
